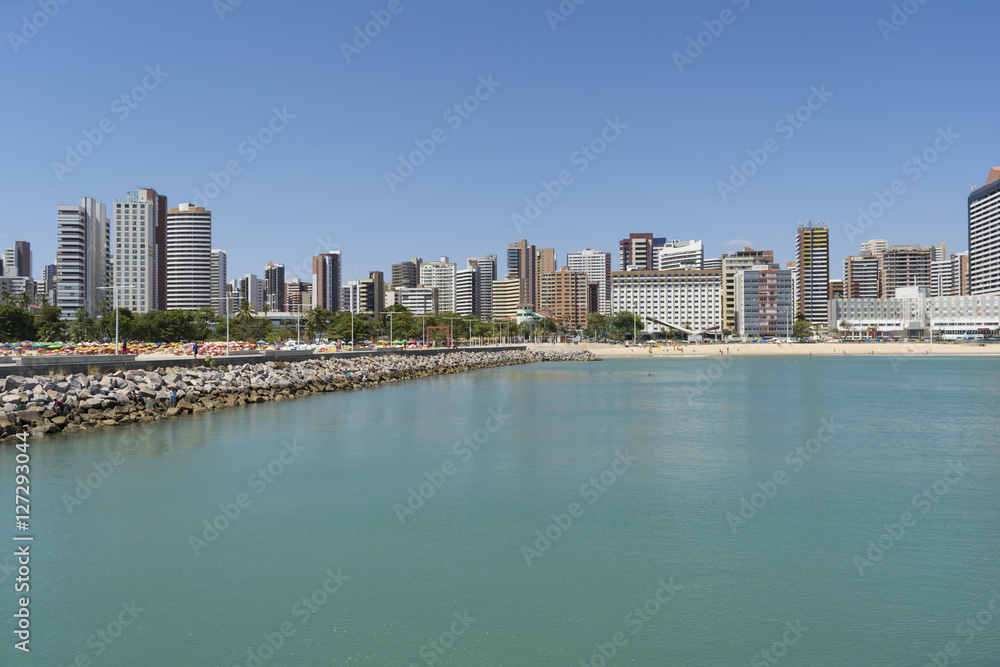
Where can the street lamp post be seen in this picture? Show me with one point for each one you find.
(115, 301)
(390, 327)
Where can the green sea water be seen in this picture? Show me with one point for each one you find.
(711, 511)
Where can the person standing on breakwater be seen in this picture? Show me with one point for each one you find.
(173, 396)
(194, 348)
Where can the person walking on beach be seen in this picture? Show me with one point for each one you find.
(173, 396)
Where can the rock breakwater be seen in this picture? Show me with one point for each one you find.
(44, 405)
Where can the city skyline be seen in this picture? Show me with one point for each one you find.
(697, 149)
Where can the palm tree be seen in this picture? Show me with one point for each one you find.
(23, 300)
(6, 296)
(317, 322)
(244, 314)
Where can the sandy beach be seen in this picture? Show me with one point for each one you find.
(779, 349)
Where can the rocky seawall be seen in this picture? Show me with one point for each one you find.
(49, 404)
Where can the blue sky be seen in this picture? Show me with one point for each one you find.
(321, 183)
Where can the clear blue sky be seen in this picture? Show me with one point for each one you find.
(321, 183)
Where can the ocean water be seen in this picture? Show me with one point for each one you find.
(712, 511)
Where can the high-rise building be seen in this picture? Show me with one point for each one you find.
(326, 281)
(765, 305)
(219, 282)
(49, 274)
(636, 250)
(689, 299)
(674, 255)
(812, 254)
(189, 258)
(714, 264)
(274, 286)
(904, 266)
(250, 289)
(406, 274)
(565, 296)
(984, 236)
(836, 289)
(298, 297)
(861, 276)
(508, 294)
(420, 300)
(466, 291)
(486, 272)
(597, 266)
(440, 274)
(950, 277)
(135, 251)
(351, 297)
(545, 262)
(17, 261)
(83, 258)
(373, 293)
(939, 252)
(874, 246)
(742, 259)
(521, 264)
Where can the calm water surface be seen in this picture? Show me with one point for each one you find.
(663, 512)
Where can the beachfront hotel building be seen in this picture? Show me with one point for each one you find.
(565, 296)
(812, 256)
(911, 313)
(861, 276)
(189, 258)
(326, 280)
(984, 236)
(689, 299)
(219, 305)
(83, 257)
(743, 259)
(440, 274)
(765, 304)
(597, 265)
(675, 255)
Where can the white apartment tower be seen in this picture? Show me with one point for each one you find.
(219, 282)
(83, 257)
(984, 236)
(189, 258)
(136, 266)
(597, 265)
(440, 274)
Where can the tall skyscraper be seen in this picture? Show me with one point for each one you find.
(373, 293)
(636, 250)
(219, 282)
(406, 274)
(466, 292)
(984, 236)
(440, 274)
(17, 261)
(904, 266)
(812, 255)
(486, 272)
(189, 258)
(250, 289)
(326, 280)
(597, 266)
(565, 296)
(521, 265)
(137, 255)
(274, 286)
(83, 258)
(545, 262)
